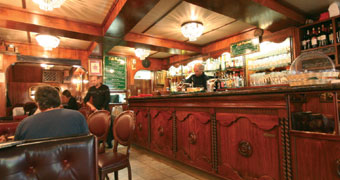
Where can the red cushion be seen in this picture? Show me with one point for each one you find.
(19, 118)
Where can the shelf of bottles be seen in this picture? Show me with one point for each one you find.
(268, 66)
(321, 36)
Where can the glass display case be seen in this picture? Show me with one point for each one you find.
(312, 68)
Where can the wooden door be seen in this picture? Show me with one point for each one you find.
(161, 131)
(194, 139)
(248, 144)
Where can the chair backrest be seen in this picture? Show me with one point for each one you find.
(57, 158)
(123, 128)
(99, 124)
(85, 111)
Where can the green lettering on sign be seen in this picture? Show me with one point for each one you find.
(244, 47)
(115, 72)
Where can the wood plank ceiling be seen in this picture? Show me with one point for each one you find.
(119, 26)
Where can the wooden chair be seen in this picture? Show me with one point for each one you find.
(99, 124)
(85, 111)
(123, 128)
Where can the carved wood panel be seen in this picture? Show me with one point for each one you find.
(248, 145)
(194, 139)
(315, 159)
(141, 130)
(161, 131)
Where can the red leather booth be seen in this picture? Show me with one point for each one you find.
(61, 158)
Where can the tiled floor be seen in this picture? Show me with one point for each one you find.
(150, 166)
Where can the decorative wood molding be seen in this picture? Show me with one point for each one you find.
(245, 148)
(204, 117)
(226, 120)
(214, 141)
(174, 133)
(165, 114)
(35, 59)
(150, 40)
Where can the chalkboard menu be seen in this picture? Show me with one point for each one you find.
(115, 72)
(244, 47)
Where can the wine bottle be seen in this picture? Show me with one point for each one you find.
(303, 42)
(319, 36)
(308, 40)
(324, 36)
(330, 34)
(314, 38)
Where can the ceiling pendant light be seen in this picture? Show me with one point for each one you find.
(49, 5)
(192, 30)
(48, 42)
(142, 53)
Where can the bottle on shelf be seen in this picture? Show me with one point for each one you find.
(308, 40)
(323, 36)
(320, 37)
(314, 38)
(330, 34)
(338, 32)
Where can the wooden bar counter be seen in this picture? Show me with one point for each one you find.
(246, 133)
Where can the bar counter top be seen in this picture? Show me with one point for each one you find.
(248, 91)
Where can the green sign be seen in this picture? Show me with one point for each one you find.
(244, 47)
(115, 72)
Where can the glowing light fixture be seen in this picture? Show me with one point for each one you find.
(192, 30)
(142, 53)
(49, 5)
(47, 41)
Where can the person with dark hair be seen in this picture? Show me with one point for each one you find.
(71, 101)
(100, 95)
(52, 121)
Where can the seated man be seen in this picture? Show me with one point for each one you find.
(52, 121)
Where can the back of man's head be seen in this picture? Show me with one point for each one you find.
(47, 97)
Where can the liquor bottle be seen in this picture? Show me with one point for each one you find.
(308, 40)
(303, 42)
(314, 38)
(324, 36)
(319, 36)
(330, 34)
(338, 32)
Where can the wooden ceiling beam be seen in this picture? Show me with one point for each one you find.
(113, 13)
(265, 14)
(148, 40)
(276, 6)
(27, 21)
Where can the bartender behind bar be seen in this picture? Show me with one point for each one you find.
(199, 79)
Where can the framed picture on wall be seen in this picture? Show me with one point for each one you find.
(95, 67)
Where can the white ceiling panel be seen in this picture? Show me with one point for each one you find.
(152, 16)
(13, 35)
(160, 55)
(93, 11)
(170, 26)
(222, 32)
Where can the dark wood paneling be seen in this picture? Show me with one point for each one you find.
(141, 130)
(315, 159)
(161, 131)
(193, 139)
(261, 132)
(27, 74)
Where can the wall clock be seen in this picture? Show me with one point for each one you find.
(146, 63)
